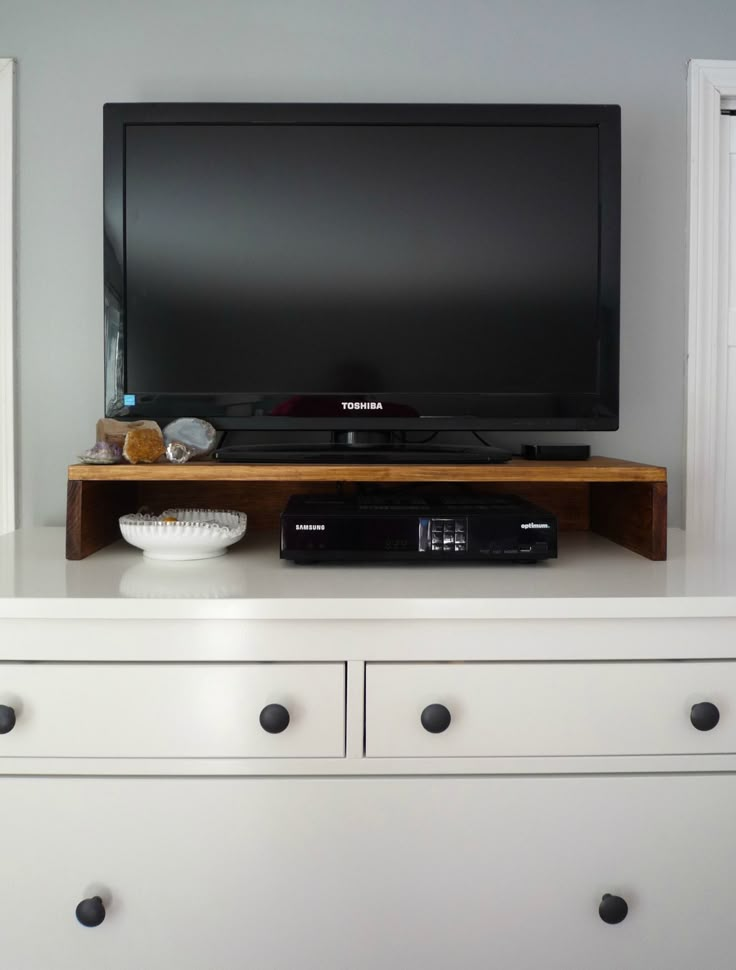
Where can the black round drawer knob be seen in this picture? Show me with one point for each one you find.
(91, 912)
(704, 716)
(7, 719)
(436, 718)
(274, 718)
(613, 909)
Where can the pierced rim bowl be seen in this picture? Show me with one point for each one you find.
(197, 533)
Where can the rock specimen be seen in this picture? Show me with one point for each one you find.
(114, 432)
(143, 445)
(102, 453)
(197, 436)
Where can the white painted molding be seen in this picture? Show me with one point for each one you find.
(710, 83)
(7, 298)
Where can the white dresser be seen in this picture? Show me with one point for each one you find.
(248, 764)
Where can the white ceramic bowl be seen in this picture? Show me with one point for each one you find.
(197, 533)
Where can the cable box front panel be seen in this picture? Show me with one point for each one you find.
(396, 527)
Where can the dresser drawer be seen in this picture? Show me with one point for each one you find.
(173, 710)
(568, 709)
(363, 874)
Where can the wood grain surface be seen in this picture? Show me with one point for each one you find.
(595, 469)
(633, 515)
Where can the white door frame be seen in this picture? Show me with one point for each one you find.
(710, 85)
(7, 297)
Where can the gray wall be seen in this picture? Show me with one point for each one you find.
(73, 55)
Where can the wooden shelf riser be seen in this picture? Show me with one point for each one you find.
(632, 513)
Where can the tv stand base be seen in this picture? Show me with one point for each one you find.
(386, 453)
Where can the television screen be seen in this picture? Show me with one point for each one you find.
(459, 268)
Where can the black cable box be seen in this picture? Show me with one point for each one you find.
(447, 528)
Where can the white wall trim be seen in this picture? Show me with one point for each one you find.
(709, 84)
(7, 298)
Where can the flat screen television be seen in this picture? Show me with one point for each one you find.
(327, 267)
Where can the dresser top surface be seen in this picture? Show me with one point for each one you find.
(592, 578)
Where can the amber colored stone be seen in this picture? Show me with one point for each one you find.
(143, 445)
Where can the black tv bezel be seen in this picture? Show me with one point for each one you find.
(448, 411)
